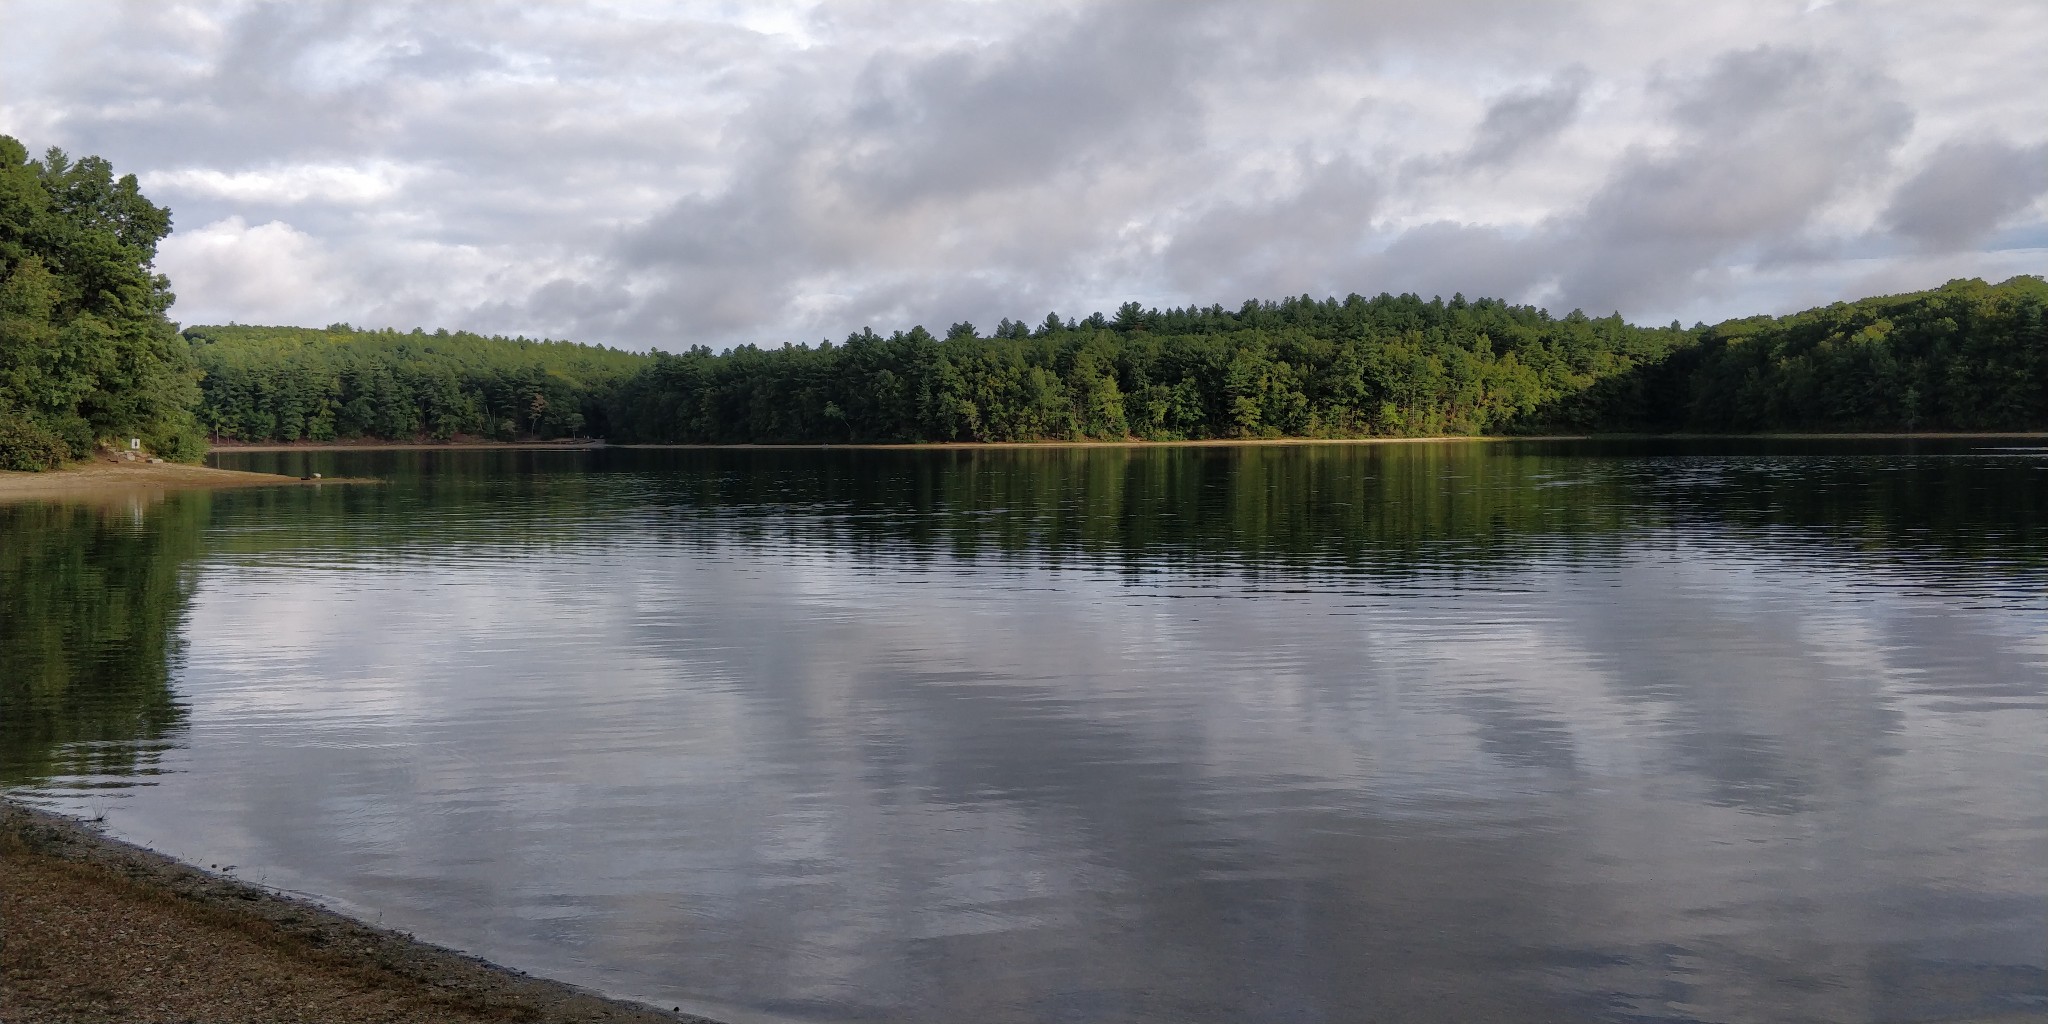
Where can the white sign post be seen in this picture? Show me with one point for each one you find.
(134, 444)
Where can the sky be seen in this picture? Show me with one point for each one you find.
(674, 174)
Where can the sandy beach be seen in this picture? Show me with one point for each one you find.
(105, 481)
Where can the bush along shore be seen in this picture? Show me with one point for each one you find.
(95, 929)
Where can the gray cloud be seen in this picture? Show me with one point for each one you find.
(1965, 189)
(1309, 238)
(1481, 260)
(1046, 104)
(1519, 120)
(787, 170)
(1766, 138)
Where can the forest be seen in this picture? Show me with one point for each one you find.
(1966, 356)
(1386, 366)
(298, 383)
(87, 352)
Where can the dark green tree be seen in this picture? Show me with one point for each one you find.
(87, 352)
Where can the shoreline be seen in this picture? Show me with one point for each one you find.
(222, 447)
(99, 929)
(1253, 442)
(102, 480)
(1269, 442)
(947, 446)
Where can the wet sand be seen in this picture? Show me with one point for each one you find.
(104, 481)
(94, 930)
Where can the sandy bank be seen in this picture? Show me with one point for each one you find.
(93, 929)
(112, 481)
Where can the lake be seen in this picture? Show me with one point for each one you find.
(1622, 731)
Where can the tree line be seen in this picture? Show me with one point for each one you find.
(1966, 356)
(1391, 365)
(297, 383)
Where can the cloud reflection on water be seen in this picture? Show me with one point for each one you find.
(1669, 770)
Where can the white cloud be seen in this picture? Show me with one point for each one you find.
(272, 272)
(324, 183)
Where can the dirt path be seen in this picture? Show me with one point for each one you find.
(95, 930)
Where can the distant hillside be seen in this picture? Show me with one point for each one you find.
(1355, 367)
(293, 383)
(1966, 356)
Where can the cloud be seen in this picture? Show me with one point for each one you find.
(1308, 237)
(1526, 118)
(1765, 139)
(263, 271)
(1482, 260)
(283, 186)
(722, 174)
(1964, 190)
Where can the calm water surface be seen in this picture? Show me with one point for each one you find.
(1527, 731)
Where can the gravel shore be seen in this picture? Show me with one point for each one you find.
(94, 929)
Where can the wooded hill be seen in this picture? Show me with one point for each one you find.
(293, 383)
(1966, 356)
(1391, 365)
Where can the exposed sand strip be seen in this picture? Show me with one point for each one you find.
(101, 481)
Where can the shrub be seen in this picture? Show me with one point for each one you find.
(28, 445)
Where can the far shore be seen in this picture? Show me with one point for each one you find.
(104, 481)
(369, 445)
(1237, 442)
(584, 445)
(102, 930)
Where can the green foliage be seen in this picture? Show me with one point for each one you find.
(293, 383)
(1388, 366)
(1965, 356)
(1968, 356)
(26, 444)
(86, 350)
